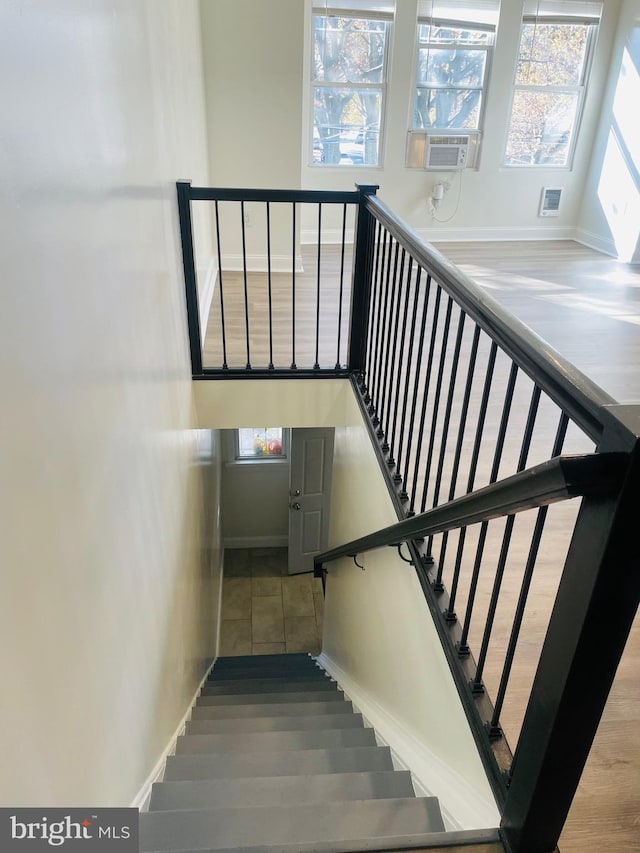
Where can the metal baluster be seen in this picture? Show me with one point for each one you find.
(450, 613)
(403, 338)
(405, 398)
(372, 317)
(384, 304)
(269, 286)
(437, 584)
(225, 366)
(425, 397)
(316, 365)
(376, 360)
(246, 289)
(294, 366)
(494, 725)
(393, 385)
(447, 414)
(386, 390)
(497, 457)
(344, 231)
(436, 402)
(476, 685)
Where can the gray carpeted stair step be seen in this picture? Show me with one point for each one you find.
(273, 791)
(276, 698)
(373, 820)
(234, 661)
(275, 709)
(310, 671)
(274, 741)
(268, 685)
(275, 724)
(286, 763)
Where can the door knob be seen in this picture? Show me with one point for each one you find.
(294, 493)
(295, 505)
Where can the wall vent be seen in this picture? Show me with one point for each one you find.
(446, 153)
(550, 201)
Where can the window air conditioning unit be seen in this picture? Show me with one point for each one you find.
(446, 153)
(550, 201)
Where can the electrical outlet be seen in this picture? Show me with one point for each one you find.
(248, 216)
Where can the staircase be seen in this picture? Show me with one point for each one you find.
(274, 758)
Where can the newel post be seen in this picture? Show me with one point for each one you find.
(190, 283)
(361, 283)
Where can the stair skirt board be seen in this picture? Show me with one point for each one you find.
(141, 801)
(274, 758)
(455, 794)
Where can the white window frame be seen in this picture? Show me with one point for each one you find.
(350, 10)
(260, 460)
(433, 45)
(576, 89)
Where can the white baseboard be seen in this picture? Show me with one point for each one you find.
(258, 263)
(597, 242)
(330, 236)
(499, 234)
(256, 541)
(206, 296)
(141, 801)
(461, 805)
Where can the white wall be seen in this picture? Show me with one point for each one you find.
(495, 202)
(253, 69)
(109, 531)
(610, 215)
(379, 641)
(255, 499)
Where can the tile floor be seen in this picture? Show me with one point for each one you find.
(265, 610)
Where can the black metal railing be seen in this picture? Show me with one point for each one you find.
(462, 399)
(483, 433)
(287, 282)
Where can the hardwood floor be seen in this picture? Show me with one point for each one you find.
(588, 307)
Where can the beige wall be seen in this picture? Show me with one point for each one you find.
(109, 542)
(252, 61)
(380, 641)
(255, 499)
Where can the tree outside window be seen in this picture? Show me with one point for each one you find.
(455, 40)
(349, 71)
(550, 80)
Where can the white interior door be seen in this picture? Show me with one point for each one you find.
(309, 495)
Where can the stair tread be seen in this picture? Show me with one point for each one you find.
(260, 660)
(273, 685)
(273, 741)
(298, 762)
(256, 672)
(275, 724)
(263, 791)
(290, 824)
(275, 709)
(269, 697)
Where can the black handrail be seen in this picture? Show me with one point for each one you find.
(295, 196)
(558, 479)
(574, 392)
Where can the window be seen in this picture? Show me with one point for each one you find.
(556, 42)
(455, 40)
(348, 83)
(261, 443)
